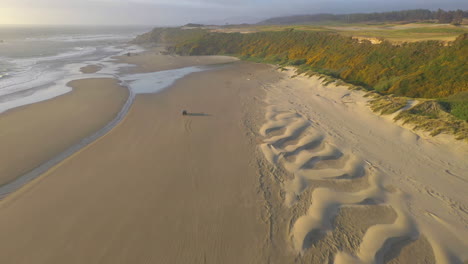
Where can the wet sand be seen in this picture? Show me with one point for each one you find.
(152, 60)
(265, 169)
(32, 134)
(91, 69)
(160, 187)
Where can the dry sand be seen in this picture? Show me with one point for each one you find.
(32, 134)
(152, 60)
(267, 169)
(159, 188)
(322, 134)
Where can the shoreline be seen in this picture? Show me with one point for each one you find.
(144, 62)
(204, 187)
(137, 189)
(13, 183)
(69, 119)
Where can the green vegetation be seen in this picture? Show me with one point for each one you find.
(432, 116)
(454, 30)
(394, 32)
(169, 36)
(429, 115)
(192, 25)
(386, 105)
(400, 34)
(441, 16)
(391, 73)
(457, 105)
(422, 69)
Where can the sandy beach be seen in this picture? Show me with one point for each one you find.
(159, 188)
(91, 69)
(361, 188)
(265, 168)
(153, 60)
(32, 134)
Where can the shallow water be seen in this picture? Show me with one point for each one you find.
(144, 83)
(40, 78)
(137, 84)
(36, 63)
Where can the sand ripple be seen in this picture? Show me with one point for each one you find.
(296, 144)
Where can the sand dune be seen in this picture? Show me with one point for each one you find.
(308, 147)
(264, 169)
(325, 202)
(307, 132)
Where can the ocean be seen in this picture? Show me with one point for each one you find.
(37, 62)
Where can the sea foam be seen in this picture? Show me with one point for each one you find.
(153, 82)
(36, 79)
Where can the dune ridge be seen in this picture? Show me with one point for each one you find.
(298, 145)
(326, 202)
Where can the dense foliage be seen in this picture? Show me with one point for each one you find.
(440, 16)
(457, 105)
(422, 69)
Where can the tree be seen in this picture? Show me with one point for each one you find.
(457, 17)
(444, 17)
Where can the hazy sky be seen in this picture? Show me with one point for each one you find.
(172, 12)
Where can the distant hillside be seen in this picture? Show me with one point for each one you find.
(170, 36)
(232, 21)
(422, 69)
(425, 69)
(440, 16)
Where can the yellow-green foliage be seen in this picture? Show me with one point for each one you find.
(395, 33)
(400, 34)
(423, 69)
(386, 105)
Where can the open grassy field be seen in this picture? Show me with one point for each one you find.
(395, 33)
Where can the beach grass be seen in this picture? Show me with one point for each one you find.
(388, 104)
(433, 117)
(457, 105)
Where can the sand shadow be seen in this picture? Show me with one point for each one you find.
(312, 238)
(197, 114)
(395, 249)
